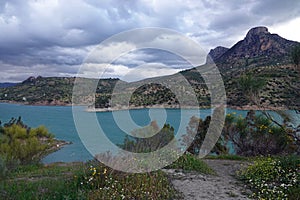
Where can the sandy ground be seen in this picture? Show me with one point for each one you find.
(194, 186)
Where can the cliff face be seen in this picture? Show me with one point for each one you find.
(215, 54)
(259, 47)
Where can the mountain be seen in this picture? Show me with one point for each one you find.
(52, 90)
(6, 85)
(215, 53)
(259, 47)
(264, 55)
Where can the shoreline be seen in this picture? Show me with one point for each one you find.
(56, 146)
(247, 107)
(110, 109)
(35, 104)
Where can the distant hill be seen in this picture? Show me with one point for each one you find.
(260, 53)
(50, 90)
(6, 85)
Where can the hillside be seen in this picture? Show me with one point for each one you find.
(5, 85)
(260, 53)
(49, 90)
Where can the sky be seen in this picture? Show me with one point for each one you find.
(55, 37)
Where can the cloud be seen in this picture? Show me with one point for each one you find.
(58, 35)
(17, 73)
(110, 52)
(147, 71)
(93, 70)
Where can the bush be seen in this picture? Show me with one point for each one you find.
(273, 178)
(158, 139)
(3, 168)
(21, 144)
(191, 163)
(256, 135)
(199, 128)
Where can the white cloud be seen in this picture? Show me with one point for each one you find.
(103, 54)
(92, 70)
(289, 30)
(147, 71)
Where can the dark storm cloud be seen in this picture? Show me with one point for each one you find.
(277, 11)
(140, 57)
(238, 17)
(59, 34)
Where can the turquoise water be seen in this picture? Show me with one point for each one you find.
(59, 121)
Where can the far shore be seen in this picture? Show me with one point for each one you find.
(119, 108)
(36, 104)
(247, 107)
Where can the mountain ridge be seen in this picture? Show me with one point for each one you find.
(259, 47)
(260, 53)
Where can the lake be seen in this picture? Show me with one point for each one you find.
(59, 121)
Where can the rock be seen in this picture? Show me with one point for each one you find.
(215, 53)
(258, 48)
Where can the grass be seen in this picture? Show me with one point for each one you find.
(228, 157)
(39, 170)
(191, 163)
(50, 188)
(41, 182)
(90, 180)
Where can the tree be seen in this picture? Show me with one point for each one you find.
(199, 128)
(256, 135)
(159, 139)
(251, 87)
(295, 56)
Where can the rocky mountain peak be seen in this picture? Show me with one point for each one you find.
(259, 47)
(257, 31)
(215, 53)
(260, 37)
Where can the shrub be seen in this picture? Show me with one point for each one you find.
(250, 136)
(273, 178)
(191, 163)
(199, 128)
(159, 139)
(3, 168)
(21, 144)
(256, 135)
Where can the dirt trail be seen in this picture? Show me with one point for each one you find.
(195, 186)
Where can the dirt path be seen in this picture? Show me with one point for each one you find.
(195, 186)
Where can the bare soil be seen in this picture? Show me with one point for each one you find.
(223, 185)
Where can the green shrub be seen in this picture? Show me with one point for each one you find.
(21, 144)
(256, 135)
(159, 138)
(273, 178)
(196, 133)
(227, 157)
(3, 168)
(191, 163)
